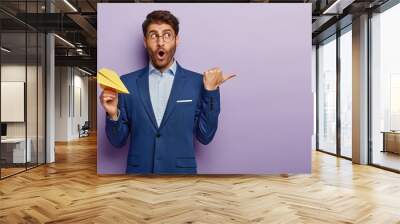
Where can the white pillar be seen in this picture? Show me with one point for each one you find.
(360, 90)
(50, 92)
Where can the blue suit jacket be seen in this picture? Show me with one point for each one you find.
(191, 112)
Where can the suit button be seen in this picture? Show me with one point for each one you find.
(158, 135)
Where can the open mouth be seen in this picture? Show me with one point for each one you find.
(161, 54)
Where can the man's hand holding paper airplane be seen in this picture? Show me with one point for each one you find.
(111, 83)
(109, 100)
(109, 78)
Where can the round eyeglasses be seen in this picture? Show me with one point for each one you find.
(166, 37)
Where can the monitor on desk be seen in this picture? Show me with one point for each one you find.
(3, 130)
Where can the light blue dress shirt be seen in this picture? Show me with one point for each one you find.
(160, 85)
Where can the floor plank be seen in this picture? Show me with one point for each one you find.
(70, 191)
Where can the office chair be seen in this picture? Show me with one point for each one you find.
(84, 130)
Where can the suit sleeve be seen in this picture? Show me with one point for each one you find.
(118, 131)
(206, 121)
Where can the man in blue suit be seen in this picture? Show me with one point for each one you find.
(167, 107)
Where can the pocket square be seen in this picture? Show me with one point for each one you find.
(183, 101)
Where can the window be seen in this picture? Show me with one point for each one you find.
(327, 95)
(385, 88)
(346, 93)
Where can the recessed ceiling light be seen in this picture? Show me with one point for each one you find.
(5, 50)
(84, 71)
(70, 5)
(64, 40)
(337, 7)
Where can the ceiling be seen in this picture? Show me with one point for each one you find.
(76, 22)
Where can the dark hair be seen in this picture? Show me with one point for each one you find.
(161, 16)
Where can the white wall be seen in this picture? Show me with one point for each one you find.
(61, 103)
(71, 94)
(80, 110)
(12, 73)
(33, 127)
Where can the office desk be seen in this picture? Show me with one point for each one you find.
(13, 150)
(391, 141)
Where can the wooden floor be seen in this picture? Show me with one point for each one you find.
(5, 172)
(70, 191)
(387, 159)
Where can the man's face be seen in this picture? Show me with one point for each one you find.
(160, 42)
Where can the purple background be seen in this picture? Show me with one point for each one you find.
(266, 118)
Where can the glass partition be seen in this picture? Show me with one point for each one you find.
(327, 95)
(22, 78)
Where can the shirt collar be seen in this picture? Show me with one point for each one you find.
(171, 69)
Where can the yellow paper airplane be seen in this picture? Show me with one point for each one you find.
(109, 78)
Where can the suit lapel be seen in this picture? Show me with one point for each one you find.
(177, 87)
(144, 93)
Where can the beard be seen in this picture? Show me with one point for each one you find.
(161, 57)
